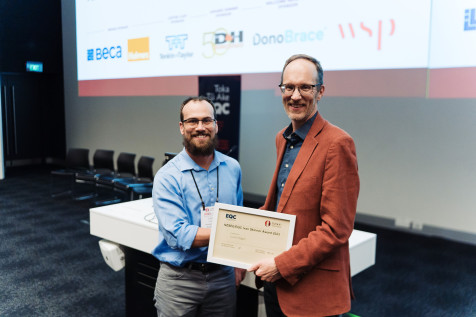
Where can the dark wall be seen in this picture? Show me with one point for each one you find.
(31, 30)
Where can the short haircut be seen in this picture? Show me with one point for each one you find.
(199, 98)
(320, 72)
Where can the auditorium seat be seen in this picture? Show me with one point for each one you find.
(77, 160)
(140, 186)
(103, 163)
(125, 169)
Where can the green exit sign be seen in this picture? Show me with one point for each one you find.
(34, 67)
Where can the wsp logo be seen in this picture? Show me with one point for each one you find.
(470, 19)
(368, 31)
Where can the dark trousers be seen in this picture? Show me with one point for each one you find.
(271, 302)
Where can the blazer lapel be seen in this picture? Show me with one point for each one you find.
(270, 203)
(307, 149)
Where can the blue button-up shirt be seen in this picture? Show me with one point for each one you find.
(177, 203)
(294, 141)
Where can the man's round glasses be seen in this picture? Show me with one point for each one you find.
(193, 122)
(288, 89)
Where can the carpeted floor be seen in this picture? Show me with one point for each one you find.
(417, 276)
(49, 263)
(51, 266)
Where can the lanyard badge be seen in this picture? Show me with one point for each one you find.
(206, 213)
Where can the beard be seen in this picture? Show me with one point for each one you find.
(200, 149)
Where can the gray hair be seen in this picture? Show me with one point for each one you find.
(320, 72)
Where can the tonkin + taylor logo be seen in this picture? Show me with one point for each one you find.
(176, 41)
(138, 49)
(470, 19)
(176, 47)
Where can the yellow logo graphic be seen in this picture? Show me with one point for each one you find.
(138, 49)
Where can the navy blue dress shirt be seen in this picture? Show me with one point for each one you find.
(294, 142)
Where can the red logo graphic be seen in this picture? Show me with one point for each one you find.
(267, 223)
(369, 31)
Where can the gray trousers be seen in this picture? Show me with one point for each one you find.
(186, 292)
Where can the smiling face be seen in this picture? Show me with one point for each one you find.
(200, 140)
(301, 106)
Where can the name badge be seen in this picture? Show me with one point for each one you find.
(207, 217)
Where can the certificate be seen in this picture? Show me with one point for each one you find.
(242, 236)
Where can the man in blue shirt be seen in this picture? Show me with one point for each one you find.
(184, 188)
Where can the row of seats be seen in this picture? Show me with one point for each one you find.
(106, 184)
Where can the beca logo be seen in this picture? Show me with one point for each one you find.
(105, 53)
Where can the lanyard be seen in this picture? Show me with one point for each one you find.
(203, 203)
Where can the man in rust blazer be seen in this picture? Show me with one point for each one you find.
(316, 179)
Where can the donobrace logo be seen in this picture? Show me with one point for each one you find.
(470, 19)
(287, 37)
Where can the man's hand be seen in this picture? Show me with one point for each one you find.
(239, 276)
(266, 269)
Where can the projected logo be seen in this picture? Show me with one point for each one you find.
(112, 52)
(176, 41)
(288, 37)
(138, 49)
(470, 19)
(176, 45)
(220, 41)
(383, 30)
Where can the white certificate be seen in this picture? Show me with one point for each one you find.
(241, 236)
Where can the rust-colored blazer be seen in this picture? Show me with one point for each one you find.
(321, 190)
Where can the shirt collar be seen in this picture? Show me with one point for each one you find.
(187, 163)
(301, 132)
